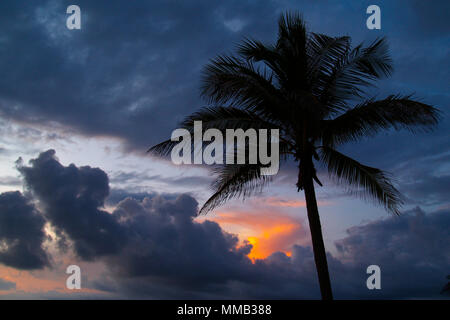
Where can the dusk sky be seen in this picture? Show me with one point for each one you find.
(80, 108)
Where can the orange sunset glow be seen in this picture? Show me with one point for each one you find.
(267, 232)
(271, 239)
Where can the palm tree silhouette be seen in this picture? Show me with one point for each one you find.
(312, 88)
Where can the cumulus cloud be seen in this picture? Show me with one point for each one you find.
(134, 74)
(180, 258)
(21, 233)
(71, 200)
(167, 246)
(152, 247)
(413, 251)
(117, 195)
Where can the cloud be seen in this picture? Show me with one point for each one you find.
(117, 195)
(21, 233)
(149, 237)
(136, 81)
(429, 190)
(412, 251)
(7, 285)
(267, 230)
(168, 246)
(145, 244)
(10, 181)
(134, 177)
(127, 80)
(152, 247)
(273, 201)
(71, 200)
(135, 73)
(425, 181)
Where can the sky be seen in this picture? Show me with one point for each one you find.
(79, 109)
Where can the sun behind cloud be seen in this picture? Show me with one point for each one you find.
(268, 230)
(272, 239)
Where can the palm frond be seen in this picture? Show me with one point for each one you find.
(234, 82)
(292, 35)
(358, 68)
(163, 149)
(223, 118)
(375, 183)
(227, 78)
(291, 45)
(234, 181)
(371, 116)
(324, 52)
(303, 85)
(254, 50)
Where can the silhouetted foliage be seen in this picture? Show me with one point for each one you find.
(313, 88)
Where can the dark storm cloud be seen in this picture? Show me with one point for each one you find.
(117, 195)
(21, 233)
(413, 252)
(71, 198)
(153, 237)
(153, 248)
(196, 260)
(166, 237)
(133, 71)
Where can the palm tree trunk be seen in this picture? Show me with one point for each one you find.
(317, 239)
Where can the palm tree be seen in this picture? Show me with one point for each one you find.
(312, 87)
